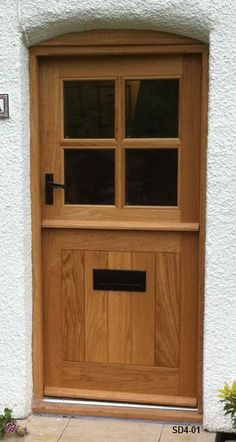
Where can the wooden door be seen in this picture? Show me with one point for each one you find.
(120, 240)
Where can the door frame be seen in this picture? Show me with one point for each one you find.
(105, 43)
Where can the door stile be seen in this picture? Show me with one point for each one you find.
(191, 119)
(52, 311)
(189, 311)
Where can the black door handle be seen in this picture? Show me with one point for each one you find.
(49, 186)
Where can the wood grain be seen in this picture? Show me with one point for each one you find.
(190, 138)
(72, 295)
(119, 314)
(96, 321)
(189, 315)
(162, 143)
(108, 68)
(124, 241)
(143, 312)
(121, 225)
(50, 133)
(110, 217)
(38, 377)
(52, 319)
(120, 378)
(167, 309)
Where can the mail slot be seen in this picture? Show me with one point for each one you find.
(119, 280)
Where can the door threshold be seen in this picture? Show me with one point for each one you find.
(82, 407)
(73, 401)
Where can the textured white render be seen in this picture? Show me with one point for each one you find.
(32, 21)
(15, 230)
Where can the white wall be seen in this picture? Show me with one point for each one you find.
(37, 20)
(15, 231)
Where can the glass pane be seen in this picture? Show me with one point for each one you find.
(151, 177)
(89, 176)
(152, 108)
(89, 109)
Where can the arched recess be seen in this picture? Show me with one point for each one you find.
(95, 43)
(42, 22)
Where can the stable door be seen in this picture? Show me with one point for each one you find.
(119, 142)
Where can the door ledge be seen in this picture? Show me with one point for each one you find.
(122, 225)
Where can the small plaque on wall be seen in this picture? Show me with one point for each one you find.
(4, 106)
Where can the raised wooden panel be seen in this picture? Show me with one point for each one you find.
(167, 309)
(72, 301)
(96, 314)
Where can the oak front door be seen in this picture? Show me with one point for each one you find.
(119, 142)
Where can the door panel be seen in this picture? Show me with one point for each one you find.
(103, 334)
(114, 168)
